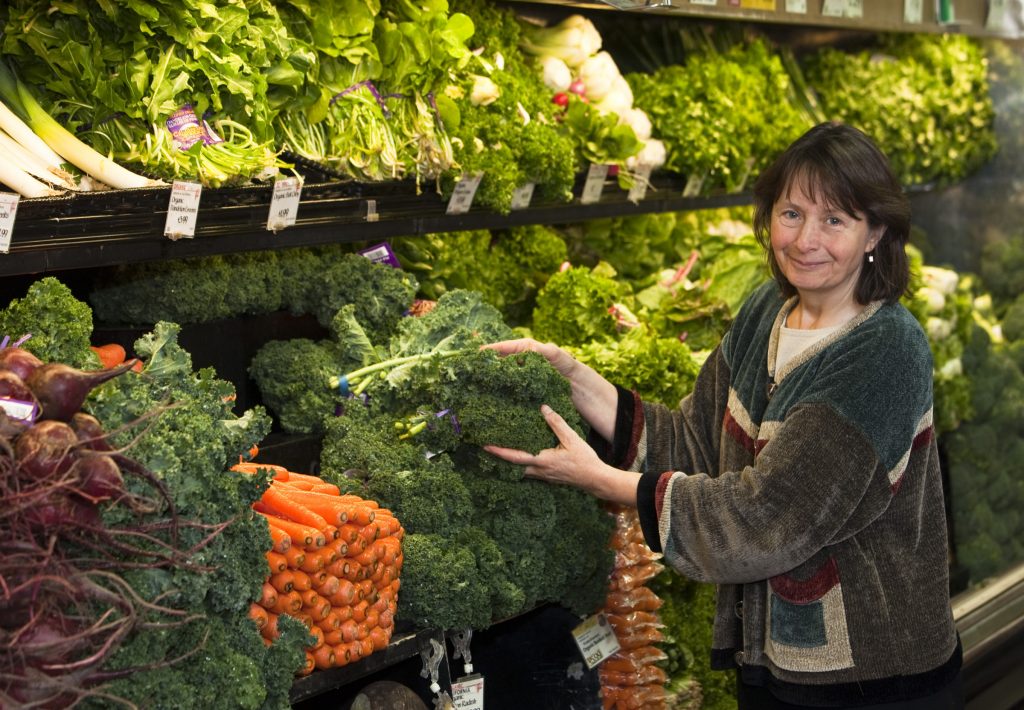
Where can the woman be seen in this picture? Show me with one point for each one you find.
(801, 475)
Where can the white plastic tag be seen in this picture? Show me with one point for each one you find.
(183, 210)
(703, 2)
(596, 639)
(594, 185)
(468, 693)
(20, 409)
(641, 181)
(693, 185)
(522, 196)
(463, 194)
(855, 9)
(8, 211)
(833, 8)
(913, 11)
(798, 7)
(371, 211)
(284, 203)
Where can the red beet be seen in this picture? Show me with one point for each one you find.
(13, 387)
(63, 511)
(61, 389)
(90, 432)
(45, 449)
(99, 477)
(19, 361)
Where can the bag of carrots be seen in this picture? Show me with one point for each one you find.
(334, 565)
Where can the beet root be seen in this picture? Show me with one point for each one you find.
(61, 389)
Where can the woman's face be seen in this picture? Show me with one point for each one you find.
(819, 249)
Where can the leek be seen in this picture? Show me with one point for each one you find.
(16, 128)
(21, 182)
(33, 164)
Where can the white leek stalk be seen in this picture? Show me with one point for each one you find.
(21, 182)
(75, 151)
(33, 164)
(17, 130)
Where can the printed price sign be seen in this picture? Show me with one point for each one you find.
(8, 211)
(284, 203)
(596, 639)
(703, 2)
(796, 6)
(913, 11)
(833, 8)
(468, 693)
(522, 196)
(996, 20)
(594, 185)
(463, 194)
(641, 181)
(183, 210)
(855, 9)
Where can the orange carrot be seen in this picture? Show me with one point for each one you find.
(344, 612)
(333, 508)
(300, 534)
(321, 609)
(258, 614)
(316, 480)
(386, 619)
(301, 485)
(276, 499)
(276, 561)
(270, 631)
(281, 541)
(370, 531)
(310, 599)
(268, 597)
(345, 653)
(318, 637)
(348, 533)
(315, 561)
(332, 638)
(324, 657)
(379, 637)
(346, 594)
(289, 603)
(296, 556)
(283, 582)
(339, 568)
(307, 665)
(365, 646)
(359, 611)
(280, 473)
(349, 629)
(372, 618)
(329, 585)
(319, 578)
(352, 498)
(301, 581)
(332, 620)
(111, 355)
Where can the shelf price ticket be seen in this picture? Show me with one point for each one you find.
(468, 693)
(596, 639)
(284, 203)
(594, 185)
(463, 194)
(8, 211)
(183, 210)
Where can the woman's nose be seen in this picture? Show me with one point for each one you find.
(808, 236)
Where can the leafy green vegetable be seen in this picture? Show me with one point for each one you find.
(575, 306)
(60, 324)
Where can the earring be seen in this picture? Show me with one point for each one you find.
(871, 258)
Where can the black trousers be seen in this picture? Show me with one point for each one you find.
(753, 697)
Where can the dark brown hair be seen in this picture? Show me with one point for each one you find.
(838, 165)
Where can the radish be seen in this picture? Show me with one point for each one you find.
(19, 361)
(99, 477)
(46, 449)
(577, 88)
(561, 98)
(61, 389)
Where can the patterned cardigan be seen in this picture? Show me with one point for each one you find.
(813, 498)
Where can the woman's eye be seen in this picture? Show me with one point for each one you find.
(789, 217)
(834, 222)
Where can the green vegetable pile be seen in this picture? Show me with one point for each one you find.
(423, 404)
(930, 109)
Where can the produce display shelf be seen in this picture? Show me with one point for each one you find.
(88, 230)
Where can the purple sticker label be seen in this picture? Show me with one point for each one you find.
(187, 130)
(382, 254)
(20, 409)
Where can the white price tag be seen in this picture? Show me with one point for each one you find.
(913, 11)
(372, 215)
(284, 203)
(468, 693)
(855, 9)
(703, 2)
(594, 185)
(798, 7)
(596, 639)
(833, 8)
(996, 20)
(463, 194)
(20, 409)
(183, 210)
(522, 196)
(693, 185)
(8, 211)
(641, 181)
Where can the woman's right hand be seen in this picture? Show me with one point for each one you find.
(594, 397)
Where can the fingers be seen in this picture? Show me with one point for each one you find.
(510, 347)
(521, 458)
(565, 433)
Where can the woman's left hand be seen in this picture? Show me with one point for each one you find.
(573, 462)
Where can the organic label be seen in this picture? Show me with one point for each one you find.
(8, 211)
(522, 196)
(596, 639)
(913, 11)
(463, 194)
(187, 129)
(20, 409)
(284, 203)
(382, 254)
(182, 210)
(468, 693)
(641, 181)
(594, 185)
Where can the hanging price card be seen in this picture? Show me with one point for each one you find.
(8, 211)
(703, 2)
(913, 11)
(468, 693)
(522, 196)
(996, 19)
(641, 181)
(855, 9)
(833, 8)
(284, 203)
(594, 185)
(596, 639)
(796, 6)
(463, 194)
(183, 210)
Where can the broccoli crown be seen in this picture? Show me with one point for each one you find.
(59, 324)
(292, 377)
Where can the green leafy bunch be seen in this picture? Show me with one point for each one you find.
(930, 111)
(59, 325)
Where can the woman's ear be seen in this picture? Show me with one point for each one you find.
(874, 237)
